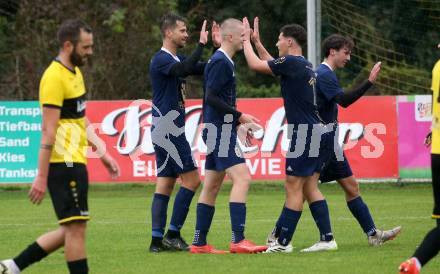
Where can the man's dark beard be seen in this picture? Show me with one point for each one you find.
(76, 59)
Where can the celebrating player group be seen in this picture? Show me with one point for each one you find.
(310, 101)
(311, 98)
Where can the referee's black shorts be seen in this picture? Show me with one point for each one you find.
(68, 187)
(435, 167)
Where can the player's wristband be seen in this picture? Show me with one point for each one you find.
(46, 146)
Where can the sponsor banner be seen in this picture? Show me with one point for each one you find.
(414, 124)
(20, 134)
(369, 129)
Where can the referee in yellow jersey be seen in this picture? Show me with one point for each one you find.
(430, 246)
(62, 158)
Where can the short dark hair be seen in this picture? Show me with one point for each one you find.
(337, 42)
(70, 31)
(169, 21)
(296, 32)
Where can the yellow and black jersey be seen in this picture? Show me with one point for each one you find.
(435, 146)
(63, 88)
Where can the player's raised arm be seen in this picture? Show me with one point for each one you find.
(203, 34)
(349, 97)
(191, 64)
(252, 59)
(261, 50)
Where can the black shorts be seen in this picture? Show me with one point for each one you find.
(435, 166)
(68, 187)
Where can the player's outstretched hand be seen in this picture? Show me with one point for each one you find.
(111, 165)
(204, 34)
(256, 32)
(38, 189)
(248, 119)
(374, 72)
(215, 35)
(246, 133)
(428, 139)
(247, 29)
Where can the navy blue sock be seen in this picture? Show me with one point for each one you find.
(438, 222)
(238, 221)
(159, 209)
(181, 208)
(321, 216)
(205, 213)
(288, 220)
(360, 211)
(277, 229)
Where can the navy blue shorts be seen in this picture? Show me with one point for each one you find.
(225, 152)
(309, 161)
(335, 170)
(173, 156)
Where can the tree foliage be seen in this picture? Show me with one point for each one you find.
(127, 35)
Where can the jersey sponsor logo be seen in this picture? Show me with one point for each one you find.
(279, 60)
(80, 105)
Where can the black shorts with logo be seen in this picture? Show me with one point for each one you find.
(68, 187)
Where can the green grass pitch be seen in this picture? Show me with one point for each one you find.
(119, 232)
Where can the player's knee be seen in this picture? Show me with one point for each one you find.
(191, 180)
(191, 184)
(211, 189)
(243, 181)
(307, 195)
(75, 230)
(352, 191)
(293, 189)
(164, 188)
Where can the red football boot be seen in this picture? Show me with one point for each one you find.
(206, 249)
(409, 267)
(246, 246)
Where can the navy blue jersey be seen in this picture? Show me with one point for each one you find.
(219, 78)
(297, 88)
(328, 87)
(168, 90)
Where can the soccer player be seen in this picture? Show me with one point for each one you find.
(221, 119)
(337, 50)
(173, 153)
(305, 128)
(430, 246)
(62, 157)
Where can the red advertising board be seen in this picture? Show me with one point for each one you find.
(369, 126)
(372, 153)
